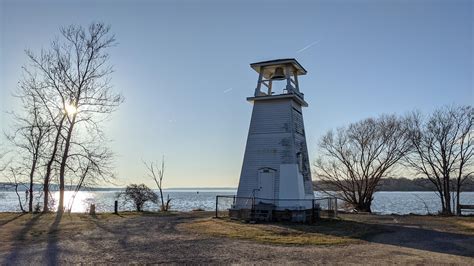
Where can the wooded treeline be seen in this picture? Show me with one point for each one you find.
(65, 97)
(401, 184)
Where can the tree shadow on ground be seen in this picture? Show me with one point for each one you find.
(52, 250)
(120, 234)
(20, 238)
(131, 224)
(12, 219)
(391, 234)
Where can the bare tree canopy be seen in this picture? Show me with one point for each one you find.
(353, 159)
(71, 81)
(443, 150)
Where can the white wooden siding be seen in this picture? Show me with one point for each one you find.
(276, 135)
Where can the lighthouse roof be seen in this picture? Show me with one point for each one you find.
(269, 66)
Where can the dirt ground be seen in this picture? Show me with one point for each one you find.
(154, 238)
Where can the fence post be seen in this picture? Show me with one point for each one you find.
(92, 209)
(116, 207)
(330, 208)
(217, 201)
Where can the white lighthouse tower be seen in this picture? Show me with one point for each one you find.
(275, 168)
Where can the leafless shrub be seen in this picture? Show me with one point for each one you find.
(353, 159)
(139, 195)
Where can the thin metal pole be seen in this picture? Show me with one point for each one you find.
(217, 201)
(330, 207)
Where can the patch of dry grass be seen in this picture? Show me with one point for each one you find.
(466, 225)
(289, 234)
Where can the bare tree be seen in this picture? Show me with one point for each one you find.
(157, 175)
(15, 182)
(354, 159)
(443, 150)
(12, 177)
(74, 85)
(89, 166)
(29, 137)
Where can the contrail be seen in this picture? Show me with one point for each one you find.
(229, 89)
(307, 46)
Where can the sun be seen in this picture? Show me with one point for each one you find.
(70, 108)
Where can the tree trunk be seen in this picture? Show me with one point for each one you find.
(30, 199)
(458, 201)
(162, 201)
(363, 207)
(62, 168)
(19, 198)
(447, 202)
(49, 166)
(441, 197)
(447, 196)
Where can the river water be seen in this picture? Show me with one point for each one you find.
(187, 200)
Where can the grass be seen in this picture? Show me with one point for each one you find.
(466, 225)
(326, 232)
(21, 228)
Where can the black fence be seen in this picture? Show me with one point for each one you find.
(326, 206)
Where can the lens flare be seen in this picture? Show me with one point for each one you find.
(70, 109)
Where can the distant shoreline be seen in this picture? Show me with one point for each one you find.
(386, 185)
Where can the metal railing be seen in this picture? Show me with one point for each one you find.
(325, 205)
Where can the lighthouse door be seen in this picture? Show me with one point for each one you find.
(266, 185)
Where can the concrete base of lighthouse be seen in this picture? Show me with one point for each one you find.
(292, 204)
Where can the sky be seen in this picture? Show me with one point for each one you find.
(183, 68)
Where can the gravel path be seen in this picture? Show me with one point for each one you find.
(157, 239)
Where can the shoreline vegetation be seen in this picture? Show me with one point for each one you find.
(154, 237)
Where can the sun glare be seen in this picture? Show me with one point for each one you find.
(70, 109)
(78, 203)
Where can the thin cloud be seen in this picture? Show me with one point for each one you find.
(307, 46)
(228, 90)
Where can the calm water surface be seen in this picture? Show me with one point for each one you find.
(187, 200)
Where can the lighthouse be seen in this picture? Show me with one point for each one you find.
(275, 171)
